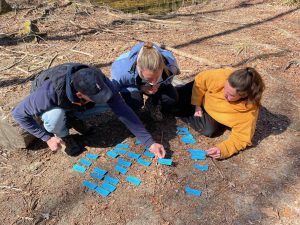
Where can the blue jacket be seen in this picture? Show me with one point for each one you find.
(45, 98)
(124, 73)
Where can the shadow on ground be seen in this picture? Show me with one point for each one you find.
(268, 124)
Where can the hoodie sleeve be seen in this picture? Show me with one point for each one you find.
(241, 135)
(199, 89)
(127, 116)
(32, 106)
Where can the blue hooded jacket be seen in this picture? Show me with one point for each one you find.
(46, 97)
(124, 73)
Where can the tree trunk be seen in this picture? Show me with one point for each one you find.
(4, 7)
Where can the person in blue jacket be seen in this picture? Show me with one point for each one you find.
(74, 90)
(146, 70)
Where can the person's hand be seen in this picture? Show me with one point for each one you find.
(149, 90)
(198, 111)
(158, 150)
(214, 152)
(55, 143)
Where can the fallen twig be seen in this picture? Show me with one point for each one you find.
(14, 64)
(293, 62)
(52, 60)
(261, 56)
(223, 21)
(11, 188)
(84, 53)
(22, 70)
(220, 172)
(187, 55)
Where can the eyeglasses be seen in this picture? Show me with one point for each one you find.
(161, 81)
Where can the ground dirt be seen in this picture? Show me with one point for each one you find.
(260, 185)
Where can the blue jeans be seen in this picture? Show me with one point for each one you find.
(54, 120)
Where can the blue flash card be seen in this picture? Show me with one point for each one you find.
(111, 180)
(167, 162)
(198, 157)
(202, 168)
(133, 155)
(196, 151)
(143, 162)
(85, 162)
(149, 154)
(92, 156)
(100, 171)
(188, 140)
(112, 154)
(183, 132)
(102, 191)
(182, 129)
(138, 142)
(96, 176)
(79, 168)
(188, 136)
(192, 191)
(89, 184)
(108, 186)
(122, 145)
(120, 169)
(119, 150)
(124, 162)
(134, 180)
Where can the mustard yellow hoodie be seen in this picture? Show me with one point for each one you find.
(240, 116)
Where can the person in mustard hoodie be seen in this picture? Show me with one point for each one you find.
(223, 98)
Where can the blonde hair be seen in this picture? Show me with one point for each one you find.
(151, 59)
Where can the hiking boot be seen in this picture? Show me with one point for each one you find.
(153, 110)
(72, 148)
(79, 125)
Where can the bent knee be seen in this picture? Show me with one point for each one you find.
(54, 120)
(208, 132)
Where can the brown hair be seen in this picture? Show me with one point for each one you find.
(150, 58)
(248, 82)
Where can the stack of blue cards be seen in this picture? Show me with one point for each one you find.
(111, 180)
(124, 162)
(188, 139)
(183, 130)
(120, 169)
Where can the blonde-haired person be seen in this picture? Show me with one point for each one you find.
(222, 98)
(146, 70)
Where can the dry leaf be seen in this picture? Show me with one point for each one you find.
(270, 212)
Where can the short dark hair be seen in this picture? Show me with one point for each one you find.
(248, 82)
